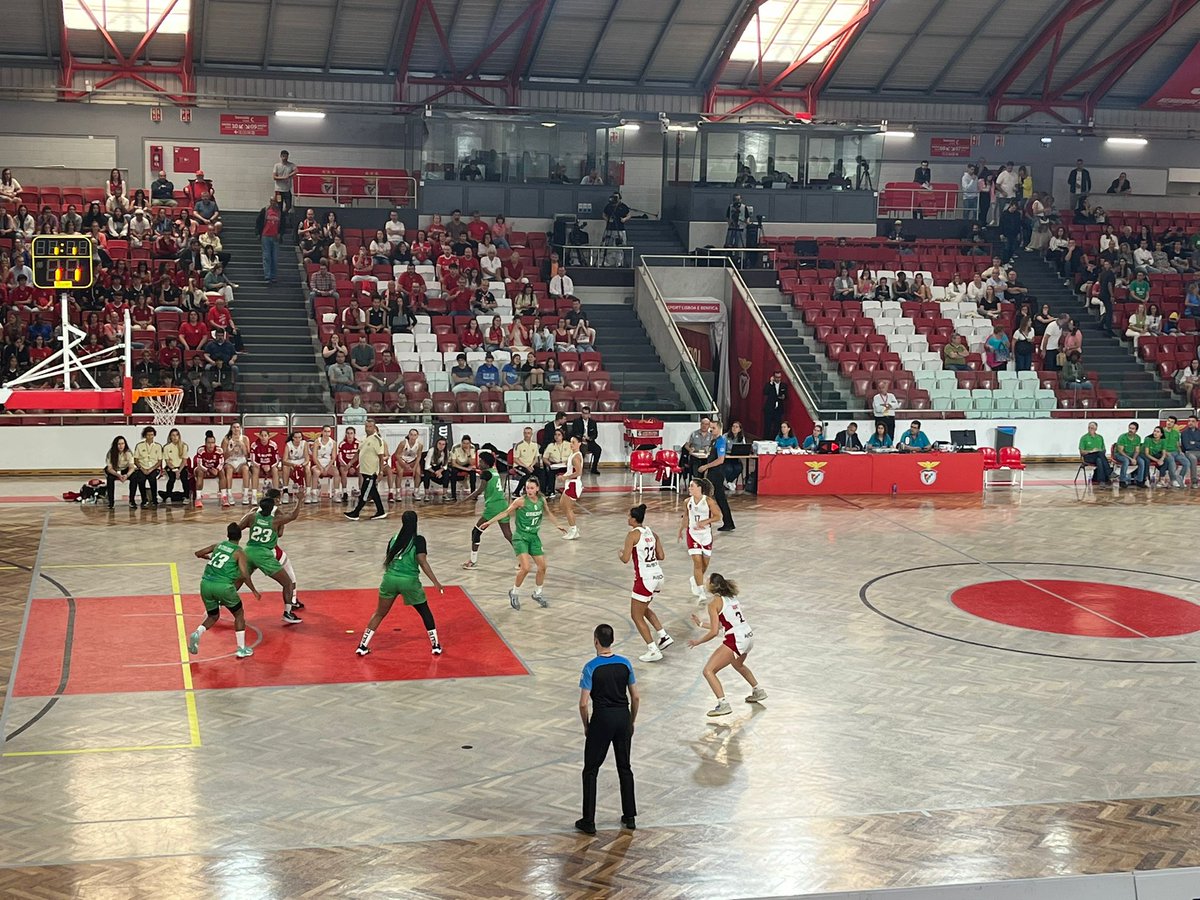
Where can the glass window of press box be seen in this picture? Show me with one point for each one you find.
(523, 152)
(781, 157)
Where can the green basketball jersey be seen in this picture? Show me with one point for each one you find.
(222, 565)
(404, 565)
(529, 516)
(262, 532)
(493, 494)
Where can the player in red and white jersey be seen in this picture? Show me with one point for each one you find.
(209, 462)
(347, 463)
(294, 470)
(700, 514)
(572, 487)
(644, 549)
(236, 448)
(264, 464)
(725, 618)
(322, 464)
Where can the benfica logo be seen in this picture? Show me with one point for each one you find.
(816, 472)
(327, 186)
(744, 378)
(928, 472)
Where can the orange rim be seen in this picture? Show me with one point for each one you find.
(139, 393)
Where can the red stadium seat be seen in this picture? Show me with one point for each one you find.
(641, 463)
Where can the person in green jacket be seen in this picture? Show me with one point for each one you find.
(227, 568)
(402, 567)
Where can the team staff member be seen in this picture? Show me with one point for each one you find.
(774, 400)
(527, 463)
(147, 465)
(884, 405)
(720, 447)
(609, 685)
(372, 457)
(848, 439)
(586, 430)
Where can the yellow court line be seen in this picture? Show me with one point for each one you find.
(189, 693)
(99, 750)
(107, 565)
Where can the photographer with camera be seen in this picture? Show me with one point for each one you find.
(616, 214)
(737, 214)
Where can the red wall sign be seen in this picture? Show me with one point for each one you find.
(245, 126)
(1182, 89)
(952, 147)
(186, 159)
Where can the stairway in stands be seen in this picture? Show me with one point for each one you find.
(653, 237)
(278, 372)
(831, 390)
(638, 373)
(1108, 357)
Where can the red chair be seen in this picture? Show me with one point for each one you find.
(1010, 460)
(991, 461)
(669, 470)
(641, 463)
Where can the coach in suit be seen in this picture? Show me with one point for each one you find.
(774, 400)
(546, 437)
(586, 430)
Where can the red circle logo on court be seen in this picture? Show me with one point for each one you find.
(1084, 608)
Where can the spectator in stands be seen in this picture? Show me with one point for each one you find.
(471, 337)
(377, 317)
(584, 336)
(456, 230)
(1179, 257)
(386, 374)
(462, 376)
(354, 415)
(954, 354)
(1073, 377)
(217, 282)
(552, 375)
(140, 230)
(1024, 338)
(10, 188)
(118, 203)
(901, 288)
(1154, 320)
(514, 270)
(94, 216)
(923, 175)
(511, 376)
(193, 333)
(1120, 185)
(970, 192)
(914, 439)
(1080, 179)
(1010, 227)
(956, 289)
(543, 337)
(501, 231)
(269, 227)
(1143, 258)
(354, 318)
(864, 288)
(380, 250)
(920, 290)
(1110, 244)
(341, 375)
(1138, 326)
(884, 406)
(362, 267)
(1191, 301)
(561, 285)
(71, 222)
(162, 191)
(206, 212)
(362, 357)
(118, 228)
(1093, 453)
(220, 348)
(976, 290)
(322, 282)
(487, 375)
(883, 290)
(844, 287)
(563, 337)
(1154, 452)
(989, 306)
(24, 225)
(1007, 183)
(491, 267)
(496, 338)
(332, 347)
(998, 350)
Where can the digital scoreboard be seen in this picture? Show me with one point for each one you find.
(62, 262)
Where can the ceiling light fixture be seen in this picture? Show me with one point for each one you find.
(299, 114)
(549, 124)
(1128, 141)
(901, 134)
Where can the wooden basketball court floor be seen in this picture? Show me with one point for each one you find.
(961, 689)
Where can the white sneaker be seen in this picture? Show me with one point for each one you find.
(721, 709)
(651, 655)
(572, 534)
(540, 600)
(245, 499)
(757, 695)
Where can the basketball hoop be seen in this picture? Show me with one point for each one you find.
(164, 403)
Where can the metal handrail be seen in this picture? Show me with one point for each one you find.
(594, 251)
(785, 362)
(338, 195)
(699, 388)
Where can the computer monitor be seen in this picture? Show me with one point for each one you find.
(963, 438)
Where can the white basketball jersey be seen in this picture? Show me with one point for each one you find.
(410, 452)
(733, 621)
(575, 467)
(236, 452)
(294, 454)
(324, 451)
(698, 512)
(645, 555)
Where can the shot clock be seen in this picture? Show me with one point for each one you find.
(62, 262)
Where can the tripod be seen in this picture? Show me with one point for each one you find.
(864, 177)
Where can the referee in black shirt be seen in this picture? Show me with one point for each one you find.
(604, 682)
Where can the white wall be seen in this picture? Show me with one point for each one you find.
(91, 152)
(701, 234)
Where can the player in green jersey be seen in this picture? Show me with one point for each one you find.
(494, 502)
(526, 542)
(227, 568)
(402, 567)
(262, 548)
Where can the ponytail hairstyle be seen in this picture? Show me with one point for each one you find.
(638, 513)
(721, 587)
(209, 434)
(406, 535)
(704, 484)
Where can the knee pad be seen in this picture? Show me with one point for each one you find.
(476, 535)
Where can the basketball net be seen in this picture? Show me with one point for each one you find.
(164, 403)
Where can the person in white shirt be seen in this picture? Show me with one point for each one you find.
(561, 285)
(976, 290)
(1006, 183)
(491, 266)
(956, 290)
(1050, 339)
(1143, 258)
(970, 193)
(592, 177)
(394, 229)
(883, 407)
